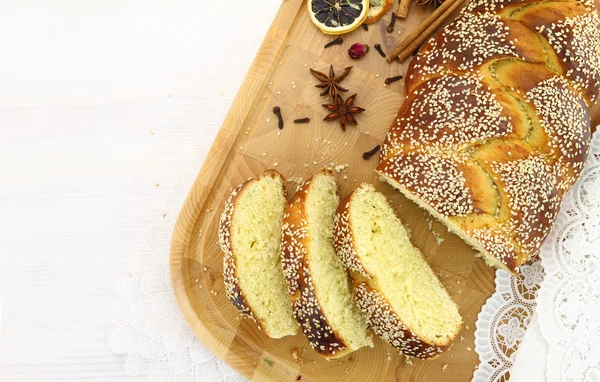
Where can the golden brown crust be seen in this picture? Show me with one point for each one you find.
(230, 278)
(505, 89)
(295, 244)
(374, 306)
(386, 324)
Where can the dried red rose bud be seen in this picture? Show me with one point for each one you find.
(358, 50)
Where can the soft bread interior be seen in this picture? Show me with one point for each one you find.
(333, 288)
(401, 272)
(452, 227)
(256, 226)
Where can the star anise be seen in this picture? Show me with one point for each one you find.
(343, 110)
(429, 3)
(331, 83)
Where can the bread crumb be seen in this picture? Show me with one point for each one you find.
(157, 185)
(445, 367)
(468, 348)
(297, 358)
(268, 119)
(458, 282)
(389, 356)
(205, 269)
(345, 143)
(345, 177)
(462, 338)
(196, 281)
(264, 154)
(315, 162)
(408, 361)
(241, 147)
(278, 91)
(438, 239)
(278, 133)
(296, 179)
(164, 215)
(340, 167)
(275, 164)
(377, 75)
(467, 326)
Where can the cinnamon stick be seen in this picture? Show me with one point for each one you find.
(402, 11)
(426, 28)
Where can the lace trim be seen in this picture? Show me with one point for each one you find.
(568, 306)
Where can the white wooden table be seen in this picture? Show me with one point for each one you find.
(85, 83)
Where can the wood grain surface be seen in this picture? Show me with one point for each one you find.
(250, 142)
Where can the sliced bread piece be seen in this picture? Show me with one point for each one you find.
(249, 234)
(318, 283)
(400, 295)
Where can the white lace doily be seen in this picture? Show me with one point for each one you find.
(568, 306)
(569, 298)
(502, 322)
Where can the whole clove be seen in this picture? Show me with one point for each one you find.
(277, 112)
(390, 27)
(380, 50)
(370, 153)
(390, 80)
(337, 41)
(302, 120)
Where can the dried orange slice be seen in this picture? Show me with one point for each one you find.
(377, 8)
(338, 16)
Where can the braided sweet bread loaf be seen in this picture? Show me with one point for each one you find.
(496, 126)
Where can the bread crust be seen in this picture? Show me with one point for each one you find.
(230, 273)
(386, 324)
(375, 307)
(295, 244)
(498, 110)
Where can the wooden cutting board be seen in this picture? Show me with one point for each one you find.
(249, 142)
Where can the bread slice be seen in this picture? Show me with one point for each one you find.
(400, 295)
(249, 234)
(318, 283)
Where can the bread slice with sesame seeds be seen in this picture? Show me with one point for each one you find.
(249, 235)
(401, 297)
(318, 283)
